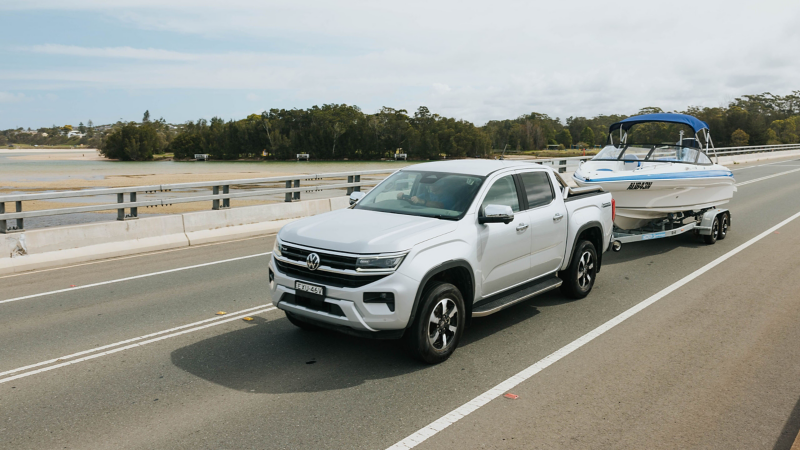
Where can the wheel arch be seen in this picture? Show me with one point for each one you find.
(592, 232)
(457, 272)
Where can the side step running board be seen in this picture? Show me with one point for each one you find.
(516, 297)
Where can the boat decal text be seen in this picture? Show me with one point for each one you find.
(640, 185)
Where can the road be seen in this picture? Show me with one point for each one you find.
(129, 353)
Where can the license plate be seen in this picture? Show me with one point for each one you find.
(309, 288)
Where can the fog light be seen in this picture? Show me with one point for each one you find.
(271, 278)
(380, 297)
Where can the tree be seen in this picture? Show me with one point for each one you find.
(739, 138)
(66, 128)
(587, 136)
(146, 117)
(81, 127)
(564, 137)
(131, 143)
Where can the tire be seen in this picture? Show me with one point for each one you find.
(438, 326)
(724, 223)
(299, 323)
(710, 239)
(579, 277)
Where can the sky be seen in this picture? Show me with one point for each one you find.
(65, 62)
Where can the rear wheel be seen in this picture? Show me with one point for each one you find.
(579, 277)
(710, 239)
(724, 223)
(437, 329)
(299, 323)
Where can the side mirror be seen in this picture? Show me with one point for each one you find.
(356, 196)
(497, 214)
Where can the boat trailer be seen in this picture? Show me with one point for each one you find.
(703, 223)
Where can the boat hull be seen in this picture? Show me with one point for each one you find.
(642, 199)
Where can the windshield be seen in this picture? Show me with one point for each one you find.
(427, 194)
(654, 153)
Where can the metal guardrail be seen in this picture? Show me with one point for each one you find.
(756, 149)
(221, 195)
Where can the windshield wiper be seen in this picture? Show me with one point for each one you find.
(442, 217)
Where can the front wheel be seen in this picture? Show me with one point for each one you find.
(579, 277)
(437, 328)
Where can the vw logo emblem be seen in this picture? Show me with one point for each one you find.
(312, 261)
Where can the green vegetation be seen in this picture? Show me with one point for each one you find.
(332, 132)
(337, 132)
(137, 142)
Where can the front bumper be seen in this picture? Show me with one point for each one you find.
(357, 315)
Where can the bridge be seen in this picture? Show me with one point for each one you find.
(680, 345)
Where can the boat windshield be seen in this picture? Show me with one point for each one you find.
(653, 153)
(428, 194)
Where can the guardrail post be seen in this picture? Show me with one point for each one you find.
(121, 211)
(288, 197)
(134, 210)
(215, 202)
(349, 180)
(562, 169)
(3, 226)
(296, 196)
(226, 202)
(357, 180)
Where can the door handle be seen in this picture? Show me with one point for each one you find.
(522, 227)
(557, 217)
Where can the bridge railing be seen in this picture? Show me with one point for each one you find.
(128, 203)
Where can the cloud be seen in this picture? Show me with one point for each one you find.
(471, 59)
(112, 52)
(10, 97)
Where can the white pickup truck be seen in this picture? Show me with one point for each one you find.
(436, 244)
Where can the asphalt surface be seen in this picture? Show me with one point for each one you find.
(713, 364)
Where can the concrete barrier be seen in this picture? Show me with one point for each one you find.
(58, 246)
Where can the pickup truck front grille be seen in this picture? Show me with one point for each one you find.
(326, 259)
(326, 278)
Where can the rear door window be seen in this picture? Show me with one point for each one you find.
(538, 188)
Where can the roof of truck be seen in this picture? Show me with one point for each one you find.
(479, 167)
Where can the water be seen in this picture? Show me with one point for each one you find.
(58, 170)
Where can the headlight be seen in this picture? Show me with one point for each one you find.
(379, 262)
(276, 249)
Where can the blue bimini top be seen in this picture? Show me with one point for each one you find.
(693, 122)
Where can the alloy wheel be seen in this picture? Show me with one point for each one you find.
(585, 268)
(443, 322)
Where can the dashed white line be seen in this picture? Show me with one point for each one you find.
(130, 346)
(120, 258)
(135, 277)
(128, 341)
(495, 392)
(767, 177)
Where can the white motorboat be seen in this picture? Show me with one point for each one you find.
(653, 181)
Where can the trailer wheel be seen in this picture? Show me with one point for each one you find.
(724, 223)
(710, 239)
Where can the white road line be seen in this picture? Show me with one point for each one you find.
(119, 258)
(128, 341)
(762, 165)
(481, 400)
(135, 277)
(128, 347)
(767, 177)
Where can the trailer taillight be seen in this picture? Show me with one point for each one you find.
(613, 210)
